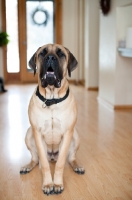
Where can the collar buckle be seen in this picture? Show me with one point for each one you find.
(44, 104)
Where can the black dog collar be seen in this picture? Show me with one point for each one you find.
(49, 102)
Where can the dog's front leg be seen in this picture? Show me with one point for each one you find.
(47, 186)
(59, 168)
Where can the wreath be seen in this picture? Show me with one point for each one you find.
(105, 6)
(45, 13)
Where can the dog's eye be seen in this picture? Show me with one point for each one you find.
(44, 52)
(60, 53)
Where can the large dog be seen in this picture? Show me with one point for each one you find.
(52, 114)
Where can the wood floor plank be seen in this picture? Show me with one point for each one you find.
(105, 151)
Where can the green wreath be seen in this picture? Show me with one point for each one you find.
(44, 12)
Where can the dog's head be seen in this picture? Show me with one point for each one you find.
(52, 61)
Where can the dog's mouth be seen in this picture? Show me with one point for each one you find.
(50, 78)
(50, 73)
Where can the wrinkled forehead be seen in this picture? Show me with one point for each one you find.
(52, 48)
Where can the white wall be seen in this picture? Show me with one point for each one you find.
(123, 81)
(107, 56)
(115, 73)
(70, 29)
(91, 43)
(1, 56)
(81, 36)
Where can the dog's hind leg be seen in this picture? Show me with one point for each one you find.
(30, 142)
(72, 154)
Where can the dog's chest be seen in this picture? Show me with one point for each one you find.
(52, 130)
(50, 123)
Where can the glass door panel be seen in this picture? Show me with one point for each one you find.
(40, 25)
(12, 30)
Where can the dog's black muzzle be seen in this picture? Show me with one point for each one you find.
(51, 73)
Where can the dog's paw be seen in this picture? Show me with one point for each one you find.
(79, 170)
(25, 170)
(58, 189)
(48, 189)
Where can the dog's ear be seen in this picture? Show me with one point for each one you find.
(72, 62)
(32, 62)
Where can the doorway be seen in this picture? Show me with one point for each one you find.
(31, 24)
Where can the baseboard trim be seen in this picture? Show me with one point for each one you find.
(122, 107)
(80, 82)
(113, 107)
(93, 88)
(105, 103)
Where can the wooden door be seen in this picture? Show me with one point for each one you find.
(25, 74)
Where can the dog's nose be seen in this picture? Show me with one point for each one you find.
(51, 57)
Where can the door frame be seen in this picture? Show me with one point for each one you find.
(23, 76)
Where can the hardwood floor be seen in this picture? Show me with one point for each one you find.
(105, 150)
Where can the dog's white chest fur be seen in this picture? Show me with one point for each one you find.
(52, 131)
(49, 122)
